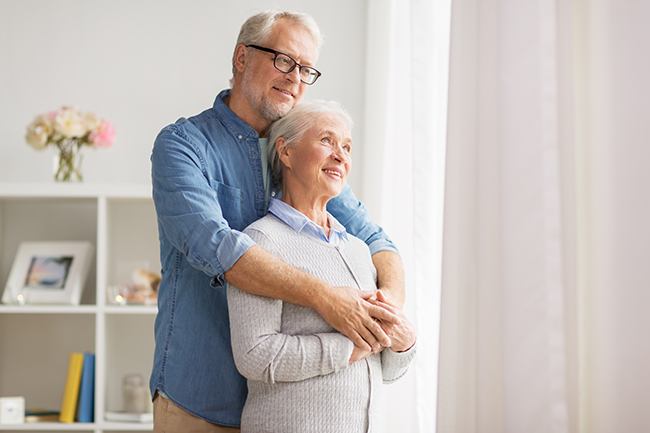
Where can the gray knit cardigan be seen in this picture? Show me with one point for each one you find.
(299, 379)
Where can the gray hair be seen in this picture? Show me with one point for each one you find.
(256, 30)
(293, 126)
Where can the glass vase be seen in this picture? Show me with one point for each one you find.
(67, 164)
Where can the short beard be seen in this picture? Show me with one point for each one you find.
(261, 102)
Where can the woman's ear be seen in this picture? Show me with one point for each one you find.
(241, 55)
(283, 151)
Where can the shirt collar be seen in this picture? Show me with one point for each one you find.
(300, 223)
(237, 127)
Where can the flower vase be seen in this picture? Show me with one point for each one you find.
(67, 164)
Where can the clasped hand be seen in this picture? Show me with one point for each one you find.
(401, 332)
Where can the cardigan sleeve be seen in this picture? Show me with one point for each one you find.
(394, 365)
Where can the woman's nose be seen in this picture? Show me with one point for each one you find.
(339, 154)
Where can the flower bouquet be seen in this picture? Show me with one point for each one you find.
(69, 129)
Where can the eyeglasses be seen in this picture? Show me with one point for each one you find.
(285, 63)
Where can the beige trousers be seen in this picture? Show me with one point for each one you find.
(169, 418)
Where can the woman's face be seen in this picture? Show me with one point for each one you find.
(319, 164)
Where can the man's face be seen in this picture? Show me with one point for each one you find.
(271, 93)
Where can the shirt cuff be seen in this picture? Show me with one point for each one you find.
(230, 249)
(382, 245)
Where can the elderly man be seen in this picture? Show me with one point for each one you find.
(210, 180)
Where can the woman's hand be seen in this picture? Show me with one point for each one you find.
(402, 335)
(359, 353)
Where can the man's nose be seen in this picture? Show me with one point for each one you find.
(294, 74)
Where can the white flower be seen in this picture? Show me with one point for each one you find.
(69, 123)
(92, 121)
(38, 132)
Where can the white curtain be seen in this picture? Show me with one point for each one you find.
(546, 241)
(403, 183)
(504, 344)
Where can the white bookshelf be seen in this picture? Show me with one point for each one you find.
(36, 340)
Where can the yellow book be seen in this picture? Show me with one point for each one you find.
(71, 392)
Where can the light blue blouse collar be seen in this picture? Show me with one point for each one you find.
(300, 223)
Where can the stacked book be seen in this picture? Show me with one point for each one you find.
(78, 402)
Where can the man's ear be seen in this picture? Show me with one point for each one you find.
(241, 57)
(283, 151)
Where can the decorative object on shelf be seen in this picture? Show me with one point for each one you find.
(48, 273)
(136, 394)
(12, 410)
(68, 129)
(143, 290)
(137, 401)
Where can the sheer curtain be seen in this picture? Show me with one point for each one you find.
(507, 345)
(403, 183)
(545, 291)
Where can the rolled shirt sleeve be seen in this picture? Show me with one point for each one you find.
(192, 208)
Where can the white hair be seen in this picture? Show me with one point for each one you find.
(256, 30)
(293, 126)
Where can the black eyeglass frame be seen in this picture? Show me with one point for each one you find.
(300, 67)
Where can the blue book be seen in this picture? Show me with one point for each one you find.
(87, 389)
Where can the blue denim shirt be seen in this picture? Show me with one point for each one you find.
(208, 185)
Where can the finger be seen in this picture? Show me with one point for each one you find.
(384, 303)
(393, 309)
(383, 340)
(367, 295)
(381, 297)
(360, 341)
(384, 314)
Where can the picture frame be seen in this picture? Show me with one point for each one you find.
(48, 273)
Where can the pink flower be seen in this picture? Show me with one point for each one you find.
(103, 135)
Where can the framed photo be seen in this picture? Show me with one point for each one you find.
(48, 273)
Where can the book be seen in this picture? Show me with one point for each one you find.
(71, 391)
(129, 417)
(86, 408)
(41, 415)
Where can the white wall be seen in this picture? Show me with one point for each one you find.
(142, 64)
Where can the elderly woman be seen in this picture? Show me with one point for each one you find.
(303, 376)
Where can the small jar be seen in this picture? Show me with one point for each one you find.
(135, 394)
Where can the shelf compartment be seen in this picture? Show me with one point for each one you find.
(34, 354)
(47, 220)
(129, 350)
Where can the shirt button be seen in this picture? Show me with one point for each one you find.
(273, 194)
(240, 137)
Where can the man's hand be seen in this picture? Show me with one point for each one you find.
(347, 312)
